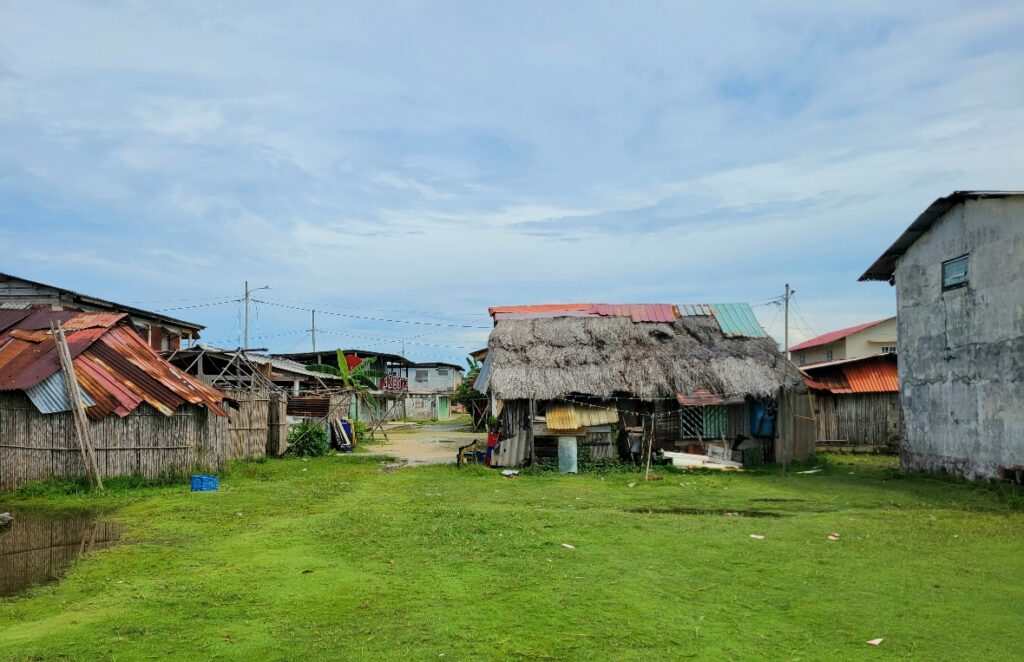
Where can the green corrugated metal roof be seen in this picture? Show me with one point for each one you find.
(737, 319)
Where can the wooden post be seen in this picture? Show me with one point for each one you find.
(92, 470)
(531, 414)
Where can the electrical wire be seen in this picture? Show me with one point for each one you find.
(323, 307)
(374, 319)
(198, 305)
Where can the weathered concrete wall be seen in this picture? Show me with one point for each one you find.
(961, 351)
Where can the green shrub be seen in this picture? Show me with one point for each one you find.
(308, 439)
(361, 429)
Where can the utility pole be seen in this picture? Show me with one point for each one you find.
(245, 345)
(785, 298)
(784, 392)
(313, 329)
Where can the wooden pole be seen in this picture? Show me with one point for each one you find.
(92, 470)
(784, 393)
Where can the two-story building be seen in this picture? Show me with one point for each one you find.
(854, 342)
(163, 333)
(430, 387)
(959, 277)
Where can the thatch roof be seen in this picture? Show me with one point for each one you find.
(551, 358)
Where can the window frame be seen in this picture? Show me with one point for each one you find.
(967, 272)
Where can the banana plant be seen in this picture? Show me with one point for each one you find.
(358, 378)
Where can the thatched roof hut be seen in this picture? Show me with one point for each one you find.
(545, 356)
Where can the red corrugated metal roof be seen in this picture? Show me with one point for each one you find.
(116, 367)
(878, 376)
(833, 336)
(638, 312)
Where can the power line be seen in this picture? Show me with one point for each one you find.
(322, 306)
(282, 334)
(223, 296)
(198, 305)
(374, 319)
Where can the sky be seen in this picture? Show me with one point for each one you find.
(401, 166)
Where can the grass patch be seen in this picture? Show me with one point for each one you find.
(332, 558)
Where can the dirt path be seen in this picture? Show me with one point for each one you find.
(427, 446)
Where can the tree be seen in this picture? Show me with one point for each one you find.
(474, 400)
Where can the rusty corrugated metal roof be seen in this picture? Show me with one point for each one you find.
(111, 396)
(872, 374)
(879, 376)
(10, 317)
(115, 367)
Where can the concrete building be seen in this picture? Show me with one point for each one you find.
(959, 277)
(855, 342)
(430, 387)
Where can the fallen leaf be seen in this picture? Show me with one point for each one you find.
(876, 642)
(756, 536)
(567, 545)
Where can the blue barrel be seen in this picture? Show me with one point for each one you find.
(205, 483)
(346, 425)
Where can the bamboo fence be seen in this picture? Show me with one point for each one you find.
(35, 447)
(868, 420)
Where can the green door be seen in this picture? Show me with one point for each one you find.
(443, 410)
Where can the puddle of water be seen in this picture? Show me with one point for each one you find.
(706, 511)
(37, 549)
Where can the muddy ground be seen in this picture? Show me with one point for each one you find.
(426, 446)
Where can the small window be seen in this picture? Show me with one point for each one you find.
(828, 355)
(803, 359)
(421, 376)
(888, 349)
(442, 372)
(954, 273)
(704, 422)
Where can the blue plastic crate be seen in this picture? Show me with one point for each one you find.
(205, 483)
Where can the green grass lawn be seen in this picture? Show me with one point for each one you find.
(335, 559)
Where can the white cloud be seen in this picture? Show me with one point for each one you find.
(454, 157)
